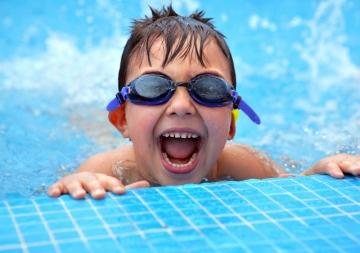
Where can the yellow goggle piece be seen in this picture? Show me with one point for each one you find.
(236, 114)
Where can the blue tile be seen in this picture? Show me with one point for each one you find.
(317, 245)
(128, 242)
(298, 230)
(73, 204)
(60, 225)
(194, 212)
(201, 221)
(345, 241)
(20, 201)
(12, 250)
(280, 215)
(36, 236)
(267, 206)
(245, 208)
(115, 220)
(290, 246)
(83, 214)
(316, 203)
(245, 234)
(150, 225)
(8, 239)
(352, 208)
(127, 228)
(186, 204)
(89, 223)
(172, 213)
(158, 236)
(110, 212)
(186, 234)
(71, 247)
(145, 217)
(31, 218)
(218, 236)
(42, 249)
(18, 210)
(229, 219)
(107, 245)
(195, 244)
(235, 201)
(30, 228)
(261, 247)
(136, 208)
(303, 212)
(175, 222)
(66, 235)
(51, 207)
(94, 232)
(271, 231)
(254, 217)
(56, 216)
(4, 212)
(327, 210)
(219, 210)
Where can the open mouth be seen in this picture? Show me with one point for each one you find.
(180, 151)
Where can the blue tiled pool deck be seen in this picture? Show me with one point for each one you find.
(300, 214)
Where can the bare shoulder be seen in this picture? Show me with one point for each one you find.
(242, 162)
(104, 162)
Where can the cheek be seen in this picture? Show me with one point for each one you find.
(218, 123)
(141, 121)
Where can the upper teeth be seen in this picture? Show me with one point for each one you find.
(180, 135)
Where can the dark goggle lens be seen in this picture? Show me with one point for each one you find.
(211, 90)
(150, 88)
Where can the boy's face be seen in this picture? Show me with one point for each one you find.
(171, 160)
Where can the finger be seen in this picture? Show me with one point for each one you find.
(75, 189)
(285, 175)
(351, 166)
(56, 189)
(334, 170)
(138, 184)
(92, 185)
(111, 183)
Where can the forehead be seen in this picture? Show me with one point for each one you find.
(188, 58)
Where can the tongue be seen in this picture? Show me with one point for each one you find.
(179, 148)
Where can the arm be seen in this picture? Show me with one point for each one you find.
(242, 162)
(97, 174)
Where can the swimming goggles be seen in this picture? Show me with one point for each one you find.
(206, 89)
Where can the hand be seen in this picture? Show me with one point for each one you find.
(336, 166)
(78, 184)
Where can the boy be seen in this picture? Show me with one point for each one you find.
(175, 102)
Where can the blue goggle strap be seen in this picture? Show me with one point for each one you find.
(119, 99)
(239, 103)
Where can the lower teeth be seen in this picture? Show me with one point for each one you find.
(167, 159)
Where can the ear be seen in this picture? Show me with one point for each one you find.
(118, 119)
(232, 129)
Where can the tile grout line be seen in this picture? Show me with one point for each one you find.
(187, 218)
(48, 230)
(18, 231)
(139, 231)
(106, 226)
(76, 226)
(315, 211)
(274, 221)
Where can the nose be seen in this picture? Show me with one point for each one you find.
(181, 104)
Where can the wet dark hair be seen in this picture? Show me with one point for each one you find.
(181, 35)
